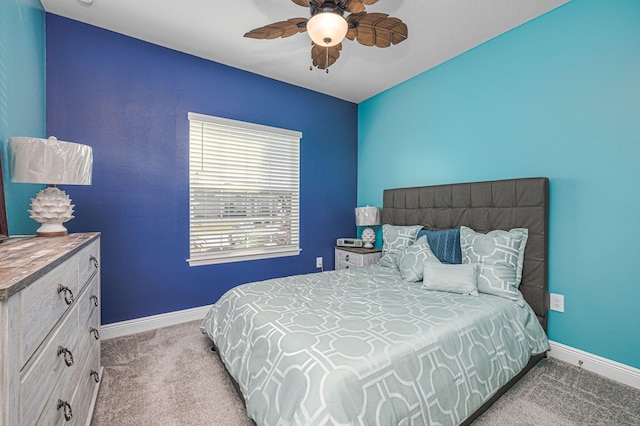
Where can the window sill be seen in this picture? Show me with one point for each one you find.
(239, 257)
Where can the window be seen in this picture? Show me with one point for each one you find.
(244, 191)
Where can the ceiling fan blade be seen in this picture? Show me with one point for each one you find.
(303, 3)
(279, 29)
(356, 6)
(323, 57)
(376, 29)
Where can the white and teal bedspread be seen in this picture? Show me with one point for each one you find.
(362, 346)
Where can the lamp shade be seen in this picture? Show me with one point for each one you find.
(49, 161)
(367, 216)
(327, 28)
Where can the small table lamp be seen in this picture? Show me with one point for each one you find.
(368, 216)
(52, 162)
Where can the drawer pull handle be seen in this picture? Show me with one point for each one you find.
(95, 375)
(67, 298)
(346, 258)
(68, 414)
(95, 333)
(94, 260)
(68, 356)
(94, 298)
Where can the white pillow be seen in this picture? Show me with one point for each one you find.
(394, 239)
(411, 259)
(500, 256)
(452, 278)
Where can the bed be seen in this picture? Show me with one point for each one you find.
(366, 346)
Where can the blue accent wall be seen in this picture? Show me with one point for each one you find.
(557, 97)
(22, 96)
(129, 100)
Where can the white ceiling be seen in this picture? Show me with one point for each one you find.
(213, 29)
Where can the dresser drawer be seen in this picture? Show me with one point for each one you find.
(89, 261)
(90, 302)
(89, 324)
(89, 380)
(74, 398)
(346, 259)
(50, 369)
(54, 412)
(60, 404)
(44, 302)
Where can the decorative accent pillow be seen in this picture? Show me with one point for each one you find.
(395, 238)
(445, 244)
(452, 278)
(411, 259)
(500, 256)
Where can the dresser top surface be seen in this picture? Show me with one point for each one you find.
(25, 259)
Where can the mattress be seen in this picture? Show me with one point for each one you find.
(362, 346)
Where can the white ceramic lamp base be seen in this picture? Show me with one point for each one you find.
(51, 207)
(368, 237)
(52, 230)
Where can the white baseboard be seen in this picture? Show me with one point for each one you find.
(613, 370)
(139, 325)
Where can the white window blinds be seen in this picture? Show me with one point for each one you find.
(244, 196)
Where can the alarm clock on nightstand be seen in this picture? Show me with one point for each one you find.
(349, 242)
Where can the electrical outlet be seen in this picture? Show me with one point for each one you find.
(318, 262)
(556, 302)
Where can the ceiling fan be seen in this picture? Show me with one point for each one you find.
(328, 26)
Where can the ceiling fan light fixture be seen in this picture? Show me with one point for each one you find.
(327, 28)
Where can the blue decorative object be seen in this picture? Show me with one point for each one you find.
(445, 245)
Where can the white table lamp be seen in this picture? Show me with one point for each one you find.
(52, 162)
(368, 216)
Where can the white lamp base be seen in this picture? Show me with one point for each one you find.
(51, 207)
(52, 230)
(368, 237)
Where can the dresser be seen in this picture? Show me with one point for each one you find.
(352, 257)
(49, 329)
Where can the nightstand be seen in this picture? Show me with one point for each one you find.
(351, 257)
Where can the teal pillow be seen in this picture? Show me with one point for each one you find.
(445, 244)
(411, 259)
(395, 238)
(460, 278)
(500, 257)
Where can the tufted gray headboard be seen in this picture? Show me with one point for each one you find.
(485, 206)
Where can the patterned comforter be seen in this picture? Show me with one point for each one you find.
(362, 346)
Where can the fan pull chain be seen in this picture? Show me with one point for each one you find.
(327, 70)
(327, 63)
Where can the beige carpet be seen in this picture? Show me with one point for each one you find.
(165, 377)
(169, 377)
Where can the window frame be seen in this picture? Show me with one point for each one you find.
(252, 253)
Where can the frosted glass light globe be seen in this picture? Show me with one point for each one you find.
(327, 29)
